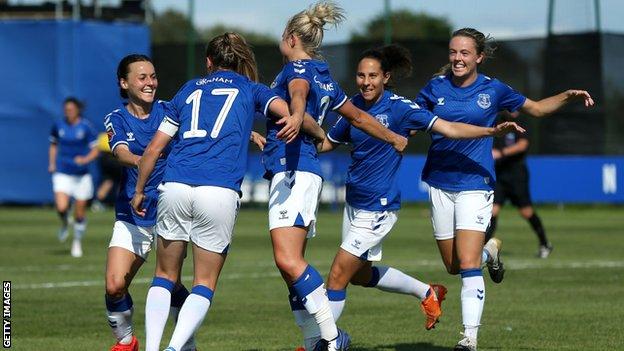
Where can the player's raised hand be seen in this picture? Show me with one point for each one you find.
(580, 95)
(506, 127)
(137, 204)
(258, 139)
(290, 129)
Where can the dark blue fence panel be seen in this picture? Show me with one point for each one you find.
(43, 62)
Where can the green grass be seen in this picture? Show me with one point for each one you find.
(571, 301)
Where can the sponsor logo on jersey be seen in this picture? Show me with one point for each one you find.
(324, 86)
(356, 244)
(283, 214)
(440, 101)
(484, 101)
(130, 136)
(480, 219)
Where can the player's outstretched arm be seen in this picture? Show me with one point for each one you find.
(146, 166)
(545, 107)
(312, 128)
(52, 157)
(457, 130)
(125, 156)
(291, 124)
(369, 125)
(88, 158)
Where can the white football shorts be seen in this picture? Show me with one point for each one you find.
(364, 231)
(133, 238)
(453, 210)
(204, 215)
(80, 187)
(293, 200)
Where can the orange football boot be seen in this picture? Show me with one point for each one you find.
(432, 305)
(132, 346)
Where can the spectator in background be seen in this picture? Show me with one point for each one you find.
(110, 171)
(72, 148)
(512, 182)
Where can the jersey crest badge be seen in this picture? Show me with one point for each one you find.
(484, 101)
(383, 119)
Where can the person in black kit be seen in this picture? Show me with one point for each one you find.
(512, 182)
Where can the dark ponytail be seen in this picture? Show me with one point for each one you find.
(394, 59)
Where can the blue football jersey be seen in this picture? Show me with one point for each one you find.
(125, 129)
(211, 119)
(324, 94)
(372, 182)
(460, 165)
(72, 140)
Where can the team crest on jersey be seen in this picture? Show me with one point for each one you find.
(484, 101)
(383, 119)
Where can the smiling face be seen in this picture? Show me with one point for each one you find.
(140, 82)
(464, 58)
(370, 79)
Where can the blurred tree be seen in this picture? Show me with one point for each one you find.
(172, 26)
(406, 25)
(253, 38)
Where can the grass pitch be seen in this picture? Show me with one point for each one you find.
(570, 301)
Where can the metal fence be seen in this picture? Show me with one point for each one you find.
(536, 67)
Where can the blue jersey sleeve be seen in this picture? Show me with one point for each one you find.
(171, 120)
(91, 136)
(54, 134)
(340, 132)
(510, 99)
(413, 117)
(339, 99)
(263, 97)
(115, 129)
(425, 98)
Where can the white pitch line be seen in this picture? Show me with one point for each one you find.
(512, 265)
(56, 285)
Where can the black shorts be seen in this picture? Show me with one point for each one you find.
(110, 167)
(513, 184)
